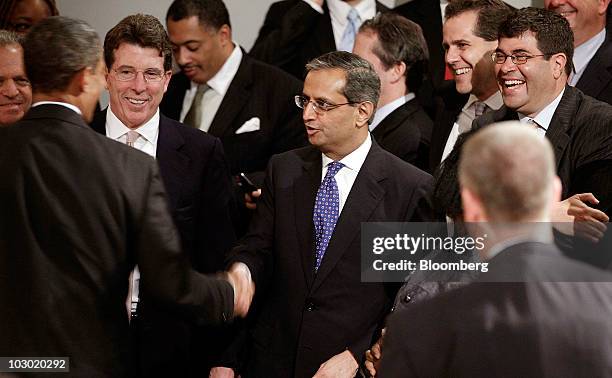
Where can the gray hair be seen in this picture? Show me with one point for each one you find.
(511, 169)
(56, 49)
(8, 38)
(362, 82)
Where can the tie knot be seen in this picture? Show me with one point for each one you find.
(131, 137)
(202, 88)
(353, 16)
(333, 168)
(479, 108)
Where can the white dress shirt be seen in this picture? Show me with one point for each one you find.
(345, 178)
(212, 98)
(384, 111)
(545, 115)
(584, 53)
(149, 132)
(338, 12)
(64, 104)
(466, 117)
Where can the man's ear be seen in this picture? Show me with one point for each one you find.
(225, 34)
(559, 61)
(365, 111)
(398, 72)
(473, 210)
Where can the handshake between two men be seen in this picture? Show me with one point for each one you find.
(239, 277)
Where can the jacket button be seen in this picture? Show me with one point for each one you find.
(310, 307)
(407, 299)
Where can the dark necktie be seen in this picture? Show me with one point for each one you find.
(326, 211)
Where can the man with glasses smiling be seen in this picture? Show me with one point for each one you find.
(302, 250)
(532, 64)
(138, 57)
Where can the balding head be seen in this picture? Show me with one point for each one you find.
(507, 174)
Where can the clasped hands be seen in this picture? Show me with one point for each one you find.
(239, 277)
(573, 216)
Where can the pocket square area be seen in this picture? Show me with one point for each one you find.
(249, 126)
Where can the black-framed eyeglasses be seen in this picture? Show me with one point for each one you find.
(499, 57)
(319, 106)
(129, 74)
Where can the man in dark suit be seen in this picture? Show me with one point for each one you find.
(221, 90)
(296, 31)
(15, 89)
(78, 212)
(470, 35)
(396, 49)
(592, 45)
(192, 167)
(303, 245)
(578, 126)
(552, 309)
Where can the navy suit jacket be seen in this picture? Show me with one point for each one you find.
(305, 317)
(196, 177)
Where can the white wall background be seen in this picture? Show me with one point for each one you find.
(246, 15)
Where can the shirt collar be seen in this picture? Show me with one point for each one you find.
(64, 104)
(495, 101)
(339, 10)
(355, 159)
(115, 128)
(545, 115)
(223, 78)
(384, 111)
(585, 52)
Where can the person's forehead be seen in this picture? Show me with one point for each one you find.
(325, 81)
(526, 41)
(133, 52)
(12, 56)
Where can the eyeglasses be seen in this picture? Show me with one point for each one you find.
(129, 74)
(319, 106)
(500, 58)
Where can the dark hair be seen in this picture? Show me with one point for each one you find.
(142, 30)
(400, 40)
(7, 7)
(56, 49)
(9, 38)
(211, 13)
(491, 13)
(362, 82)
(551, 30)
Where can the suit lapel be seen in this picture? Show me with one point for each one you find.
(173, 164)
(305, 191)
(560, 123)
(324, 34)
(234, 100)
(596, 75)
(364, 197)
(394, 120)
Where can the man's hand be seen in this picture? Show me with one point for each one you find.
(373, 356)
(249, 199)
(573, 216)
(339, 366)
(221, 372)
(239, 277)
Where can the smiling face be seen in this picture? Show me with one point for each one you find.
(135, 101)
(468, 56)
(528, 88)
(338, 131)
(15, 89)
(199, 51)
(586, 17)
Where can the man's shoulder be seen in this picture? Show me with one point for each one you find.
(267, 74)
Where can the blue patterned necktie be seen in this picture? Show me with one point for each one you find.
(326, 210)
(348, 38)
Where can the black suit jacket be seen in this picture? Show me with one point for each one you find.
(596, 81)
(78, 212)
(293, 34)
(306, 318)
(257, 90)
(406, 133)
(581, 135)
(531, 328)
